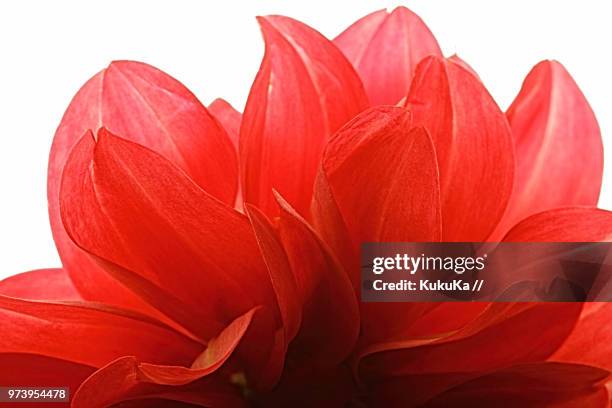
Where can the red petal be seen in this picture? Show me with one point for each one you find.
(558, 146)
(325, 291)
(456, 60)
(473, 147)
(229, 118)
(575, 224)
(280, 271)
(591, 340)
(130, 206)
(377, 155)
(150, 107)
(126, 378)
(89, 334)
(522, 386)
(502, 335)
(28, 370)
(385, 48)
(304, 91)
(42, 284)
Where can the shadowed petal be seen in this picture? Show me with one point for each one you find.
(500, 336)
(325, 291)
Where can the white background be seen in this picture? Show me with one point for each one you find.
(49, 48)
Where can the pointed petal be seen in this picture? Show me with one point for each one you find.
(329, 302)
(304, 91)
(149, 107)
(331, 227)
(558, 145)
(473, 146)
(41, 284)
(572, 224)
(379, 156)
(229, 118)
(279, 270)
(89, 334)
(133, 208)
(459, 61)
(385, 49)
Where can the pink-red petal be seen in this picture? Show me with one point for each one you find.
(558, 145)
(229, 118)
(385, 49)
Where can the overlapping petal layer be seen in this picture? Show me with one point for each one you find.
(144, 105)
(304, 91)
(473, 145)
(235, 295)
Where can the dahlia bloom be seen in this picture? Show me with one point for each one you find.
(211, 258)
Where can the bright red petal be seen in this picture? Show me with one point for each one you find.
(133, 208)
(473, 146)
(329, 302)
(558, 145)
(41, 284)
(149, 107)
(573, 224)
(229, 118)
(384, 177)
(591, 340)
(385, 48)
(89, 334)
(304, 91)
(28, 370)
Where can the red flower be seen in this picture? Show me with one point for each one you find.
(211, 259)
